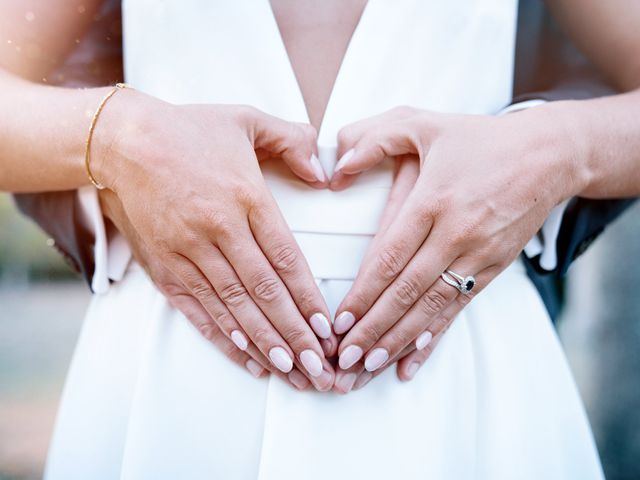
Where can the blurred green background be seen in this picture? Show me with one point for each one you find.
(42, 303)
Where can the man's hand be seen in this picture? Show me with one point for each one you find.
(190, 184)
(475, 205)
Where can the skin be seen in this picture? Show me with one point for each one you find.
(460, 217)
(198, 262)
(595, 155)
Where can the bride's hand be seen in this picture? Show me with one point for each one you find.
(190, 183)
(485, 187)
(181, 299)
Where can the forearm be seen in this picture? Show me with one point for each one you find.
(599, 140)
(42, 142)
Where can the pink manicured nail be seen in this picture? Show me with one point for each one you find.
(362, 380)
(281, 359)
(345, 381)
(344, 159)
(311, 362)
(254, 368)
(298, 379)
(375, 359)
(412, 369)
(323, 382)
(423, 339)
(343, 322)
(320, 325)
(239, 339)
(317, 168)
(350, 356)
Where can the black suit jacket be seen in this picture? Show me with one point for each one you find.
(547, 67)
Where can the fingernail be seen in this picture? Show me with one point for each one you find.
(350, 356)
(254, 368)
(375, 359)
(311, 362)
(344, 159)
(320, 325)
(281, 359)
(362, 380)
(343, 322)
(423, 339)
(317, 168)
(323, 382)
(412, 369)
(345, 381)
(239, 339)
(298, 379)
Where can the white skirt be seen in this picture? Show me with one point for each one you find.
(147, 397)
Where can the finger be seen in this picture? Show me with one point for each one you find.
(407, 291)
(199, 318)
(365, 144)
(270, 294)
(295, 143)
(424, 322)
(283, 253)
(228, 288)
(346, 378)
(393, 250)
(252, 359)
(406, 173)
(408, 366)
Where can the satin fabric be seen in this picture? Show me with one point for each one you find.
(148, 397)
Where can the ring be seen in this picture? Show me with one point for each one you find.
(463, 284)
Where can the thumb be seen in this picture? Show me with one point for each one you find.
(295, 143)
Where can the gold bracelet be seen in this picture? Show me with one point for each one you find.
(94, 120)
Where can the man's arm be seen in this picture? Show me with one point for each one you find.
(550, 68)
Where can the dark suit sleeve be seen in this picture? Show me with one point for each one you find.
(550, 68)
(59, 215)
(97, 61)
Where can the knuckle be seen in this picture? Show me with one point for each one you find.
(389, 262)
(399, 338)
(215, 221)
(438, 325)
(267, 288)
(171, 289)
(425, 215)
(245, 195)
(233, 294)
(202, 290)
(433, 302)
(207, 330)
(230, 350)
(285, 258)
(295, 337)
(225, 321)
(407, 291)
(370, 332)
(261, 336)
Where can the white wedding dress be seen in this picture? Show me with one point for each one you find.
(147, 397)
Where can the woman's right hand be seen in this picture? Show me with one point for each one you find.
(189, 181)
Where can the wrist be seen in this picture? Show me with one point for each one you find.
(120, 126)
(560, 143)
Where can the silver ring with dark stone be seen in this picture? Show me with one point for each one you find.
(463, 284)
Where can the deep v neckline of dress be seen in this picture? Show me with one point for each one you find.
(343, 69)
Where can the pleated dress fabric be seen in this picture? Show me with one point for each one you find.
(147, 397)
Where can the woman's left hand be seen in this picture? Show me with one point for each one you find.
(485, 187)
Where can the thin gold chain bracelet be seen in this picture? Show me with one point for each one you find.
(92, 127)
